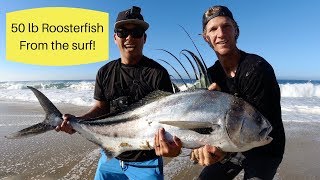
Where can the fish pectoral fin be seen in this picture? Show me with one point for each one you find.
(199, 127)
(188, 124)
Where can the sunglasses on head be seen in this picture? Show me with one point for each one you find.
(124, 33)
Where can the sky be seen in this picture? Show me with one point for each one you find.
(285, 33)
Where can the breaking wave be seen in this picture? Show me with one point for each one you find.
(300, 90)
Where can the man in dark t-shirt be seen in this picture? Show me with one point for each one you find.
(251, 78)
(120, 83)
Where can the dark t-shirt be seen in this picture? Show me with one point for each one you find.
(116, 80)
(255, 82)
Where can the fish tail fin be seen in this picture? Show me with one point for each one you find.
(30, 131)
(52, 119)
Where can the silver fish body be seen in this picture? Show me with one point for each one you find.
(197, 117)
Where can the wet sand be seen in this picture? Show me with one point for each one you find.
(61, 156)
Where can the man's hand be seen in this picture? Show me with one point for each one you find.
(65, 125)
(165, 148)
(207, 155)
(214, 86)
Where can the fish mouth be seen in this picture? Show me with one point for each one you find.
(268, 139)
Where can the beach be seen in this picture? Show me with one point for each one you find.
(55, 155)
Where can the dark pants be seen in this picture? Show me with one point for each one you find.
(254, 168)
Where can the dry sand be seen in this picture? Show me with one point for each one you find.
(61, 156)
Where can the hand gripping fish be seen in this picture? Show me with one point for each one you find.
(198, 117)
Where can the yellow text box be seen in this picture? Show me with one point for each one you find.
(57, 36)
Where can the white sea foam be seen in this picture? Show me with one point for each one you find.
(300, 90)
(83, 85)
(303, 109)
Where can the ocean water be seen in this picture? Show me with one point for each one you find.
(300, 99)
